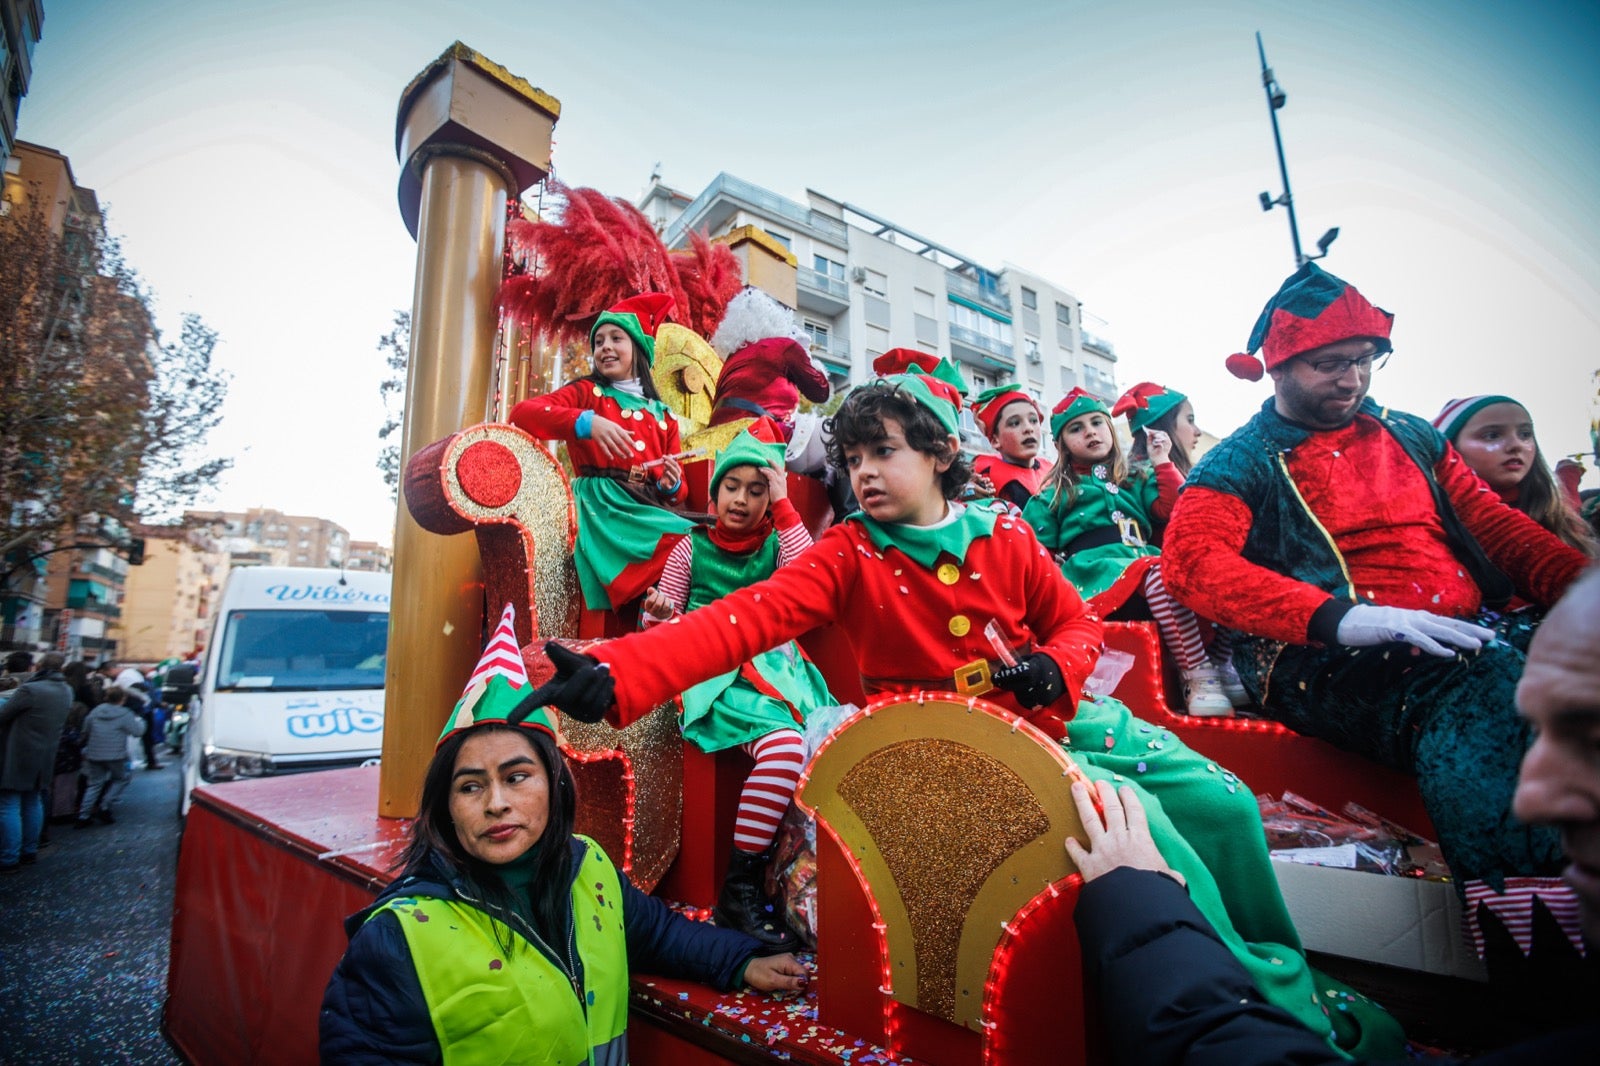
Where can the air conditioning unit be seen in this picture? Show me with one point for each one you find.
(858, 274)
(1035, 359)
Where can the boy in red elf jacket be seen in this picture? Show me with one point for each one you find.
(913, 579)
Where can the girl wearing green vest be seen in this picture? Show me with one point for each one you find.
(506, 938)
(761, 706)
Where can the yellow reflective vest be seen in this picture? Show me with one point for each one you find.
(488, 1006)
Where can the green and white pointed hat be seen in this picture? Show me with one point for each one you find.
(498, 686)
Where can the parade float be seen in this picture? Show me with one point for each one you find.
(943, 900)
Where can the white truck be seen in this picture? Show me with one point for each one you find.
(293, 675)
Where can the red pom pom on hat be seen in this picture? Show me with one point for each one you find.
(1246, 366)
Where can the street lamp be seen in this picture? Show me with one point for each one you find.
(1276, 98)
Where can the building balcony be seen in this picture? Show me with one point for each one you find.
(734, 192)
(821, 293)
(1097, 344)
(980, 349)
(832, 351)
(965, 287)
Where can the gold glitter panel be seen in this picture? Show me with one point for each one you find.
(954, 812)
(685, 372)
(962, 835)
(652, 749)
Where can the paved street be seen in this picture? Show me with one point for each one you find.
(83, 936)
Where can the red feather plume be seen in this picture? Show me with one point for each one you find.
(601, 251)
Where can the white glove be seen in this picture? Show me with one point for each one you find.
(1365, 625)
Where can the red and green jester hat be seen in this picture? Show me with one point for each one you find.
(1312, 308)
(498, 686)
(1145, 404)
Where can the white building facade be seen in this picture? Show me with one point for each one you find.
(866, 285)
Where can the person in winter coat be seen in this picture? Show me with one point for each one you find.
(30, 729)
(507, 938)
(105, 755)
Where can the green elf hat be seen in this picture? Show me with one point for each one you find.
(640, 317)
(1453, 419)
(1145, 403)
(990, 402)
(938, 397)
(760, 444)
(497, 686)
(917, 361)
(1074, 404)
(1312, 308)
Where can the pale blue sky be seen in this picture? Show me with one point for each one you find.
(246, 151)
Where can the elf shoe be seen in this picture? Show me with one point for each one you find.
(1232, 687)
(1203, 694)
(743, 904)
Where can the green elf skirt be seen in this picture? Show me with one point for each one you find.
(623, 542)
(778, 689)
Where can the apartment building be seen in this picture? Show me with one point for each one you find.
(168, 600)
(21, 27)
(370, 555)
(867, 284)
(264, 536)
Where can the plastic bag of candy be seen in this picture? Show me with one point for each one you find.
(792, 876)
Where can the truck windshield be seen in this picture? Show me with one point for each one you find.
(275, 650)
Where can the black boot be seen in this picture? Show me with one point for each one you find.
(743, 904)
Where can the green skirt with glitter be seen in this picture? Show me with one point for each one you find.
(623, 542)
(778, 689)
(1207, 826)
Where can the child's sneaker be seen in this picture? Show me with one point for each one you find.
(1232, 687)
(1202, 692)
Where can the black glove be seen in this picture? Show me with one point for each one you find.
(1035, 680)
(582, 688)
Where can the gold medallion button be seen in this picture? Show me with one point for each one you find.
(959, 625)
(949, 573)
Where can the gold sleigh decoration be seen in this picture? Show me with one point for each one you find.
(954, 812)
(506, 487)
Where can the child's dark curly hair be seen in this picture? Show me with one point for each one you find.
(860, 421)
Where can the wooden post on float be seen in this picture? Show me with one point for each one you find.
(469, 134)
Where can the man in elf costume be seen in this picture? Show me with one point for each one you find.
(1362, 560)
(917, 581)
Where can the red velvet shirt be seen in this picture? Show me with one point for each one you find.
(1374, 502)
(908, 625)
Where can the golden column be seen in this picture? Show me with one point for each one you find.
(469, 134)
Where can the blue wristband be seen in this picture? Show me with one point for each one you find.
(580, 428)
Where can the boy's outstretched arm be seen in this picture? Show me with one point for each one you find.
(653, 666)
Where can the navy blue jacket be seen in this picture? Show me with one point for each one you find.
(1173, 995)
(374, 1010)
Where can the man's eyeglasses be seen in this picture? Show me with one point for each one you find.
(1337, 368)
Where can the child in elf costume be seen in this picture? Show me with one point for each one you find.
(1160, 416)
(762, 704)
(621, 439)
(1099, 521)
(914, 579)
(1013, 422)
(1153, 409)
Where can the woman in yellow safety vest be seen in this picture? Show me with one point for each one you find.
(507, 938)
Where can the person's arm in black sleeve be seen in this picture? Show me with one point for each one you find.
(660, 940)
(374, 1011)
(1170, 991)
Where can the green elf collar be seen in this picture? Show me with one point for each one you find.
(924, 544)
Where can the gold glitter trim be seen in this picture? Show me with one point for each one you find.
(955, 811)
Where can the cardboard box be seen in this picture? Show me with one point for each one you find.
(1397, 921)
